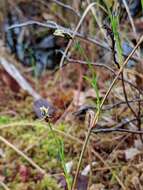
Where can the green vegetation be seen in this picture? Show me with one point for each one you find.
(92, 123)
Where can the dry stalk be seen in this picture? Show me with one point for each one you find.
(4, 185)
(23, 155)
(75, 31)
(130, 17)
(95, 120)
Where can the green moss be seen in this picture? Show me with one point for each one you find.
(48, 184)
(4, 119)
(37, 142)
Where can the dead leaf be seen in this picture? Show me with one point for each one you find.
(131, 152)
(82, 182)
(97, 187)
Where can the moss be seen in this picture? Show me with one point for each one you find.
(4, 119)
(48, 184)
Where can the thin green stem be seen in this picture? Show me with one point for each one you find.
(59, 144)
(95, 120)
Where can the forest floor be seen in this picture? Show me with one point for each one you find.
(40, 153)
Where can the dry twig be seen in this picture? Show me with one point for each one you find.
(23, 155)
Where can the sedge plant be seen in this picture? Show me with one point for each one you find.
(60, 146)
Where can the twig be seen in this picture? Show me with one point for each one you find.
(23, 155)
(130, 17)
(101, 105)
(130, 107)
(52, 11)
(53, 25)
(139, 117)
(69, 60)
(119, 128)
(97, 18)
(66, 6)
(126, 96)
(122, 124)
(106, 107)
(96, 154)
(75, 31)
(4, 185)
(111, 34)
(105, 130)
